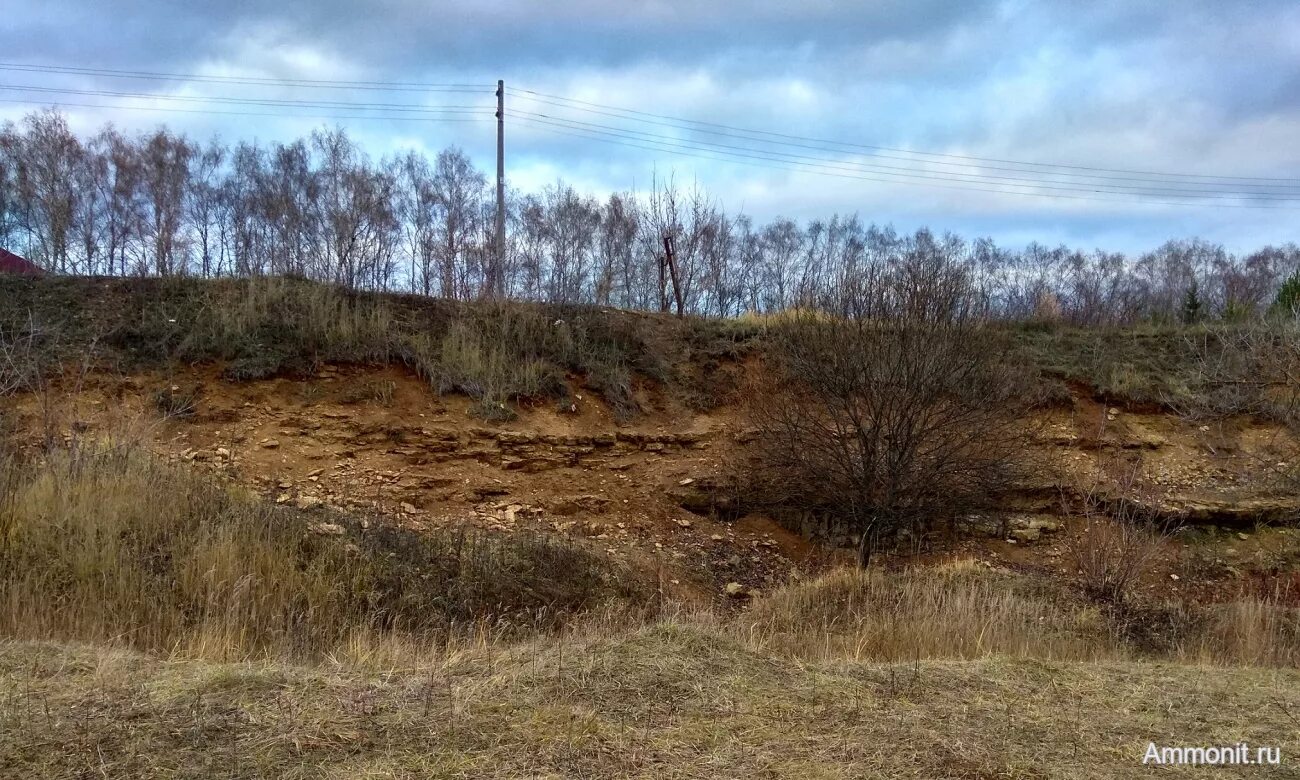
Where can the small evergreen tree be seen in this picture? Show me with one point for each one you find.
(1192, 305)
(1288, 296)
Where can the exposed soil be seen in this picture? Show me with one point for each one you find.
(380, 440)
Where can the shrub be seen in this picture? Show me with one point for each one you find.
(893, 421)
(1120, 538)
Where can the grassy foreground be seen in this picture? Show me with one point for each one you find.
(671, 700)
(156, 624)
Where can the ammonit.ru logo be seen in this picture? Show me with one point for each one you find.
(1225, 755)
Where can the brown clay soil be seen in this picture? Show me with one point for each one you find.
(379, 440)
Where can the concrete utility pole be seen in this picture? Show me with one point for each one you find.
(495, 282)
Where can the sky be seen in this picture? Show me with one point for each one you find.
(1145, 100)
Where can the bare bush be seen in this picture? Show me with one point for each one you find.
(1120, 539)
(1111, 556)
(1242, 369)
(18, 362)
(891, 420)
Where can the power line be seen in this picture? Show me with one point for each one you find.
(393, 86)
(711, 155)
(285, 103)
(577, 104)
(891, 170)
(742, 152)
(173, 110)
(1031, 178)
(960, 165)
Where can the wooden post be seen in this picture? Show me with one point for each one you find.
(663, 282)
(670, 256)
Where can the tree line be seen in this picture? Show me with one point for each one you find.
(320, 207)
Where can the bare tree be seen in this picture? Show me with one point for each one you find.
(47, 179)
(319, 208)
(10, 202)
(892, 420)
(572, 225)
(459, 189)
(91, 207)
(117, 178)
(420, 214)
(617, 273)
(355, 210)
(203, 204)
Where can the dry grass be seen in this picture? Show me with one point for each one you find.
(967, 611)
(957, 671)
(1251, 631)
(107, 545)
(672, 700)
(960, 611)
(500, 353)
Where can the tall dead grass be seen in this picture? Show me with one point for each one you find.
(1250, 631)
(963, 611)
(958, 611)
(110, 546)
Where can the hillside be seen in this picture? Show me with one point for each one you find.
(304, 531)
(625, 429)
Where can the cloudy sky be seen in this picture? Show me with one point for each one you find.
(1179, 119)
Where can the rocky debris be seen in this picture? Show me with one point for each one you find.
(1059, 435)
(483, 492)
(506, 515)
(1025, 534)
(1141, 437)
(571, 505)
(533, 465)
(736, 591)
(270, 444)
(706, 496)
(1228, 511)
(1022, 527)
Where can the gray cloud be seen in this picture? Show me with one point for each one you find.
(1199, 85)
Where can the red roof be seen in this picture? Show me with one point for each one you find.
(11, 263)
